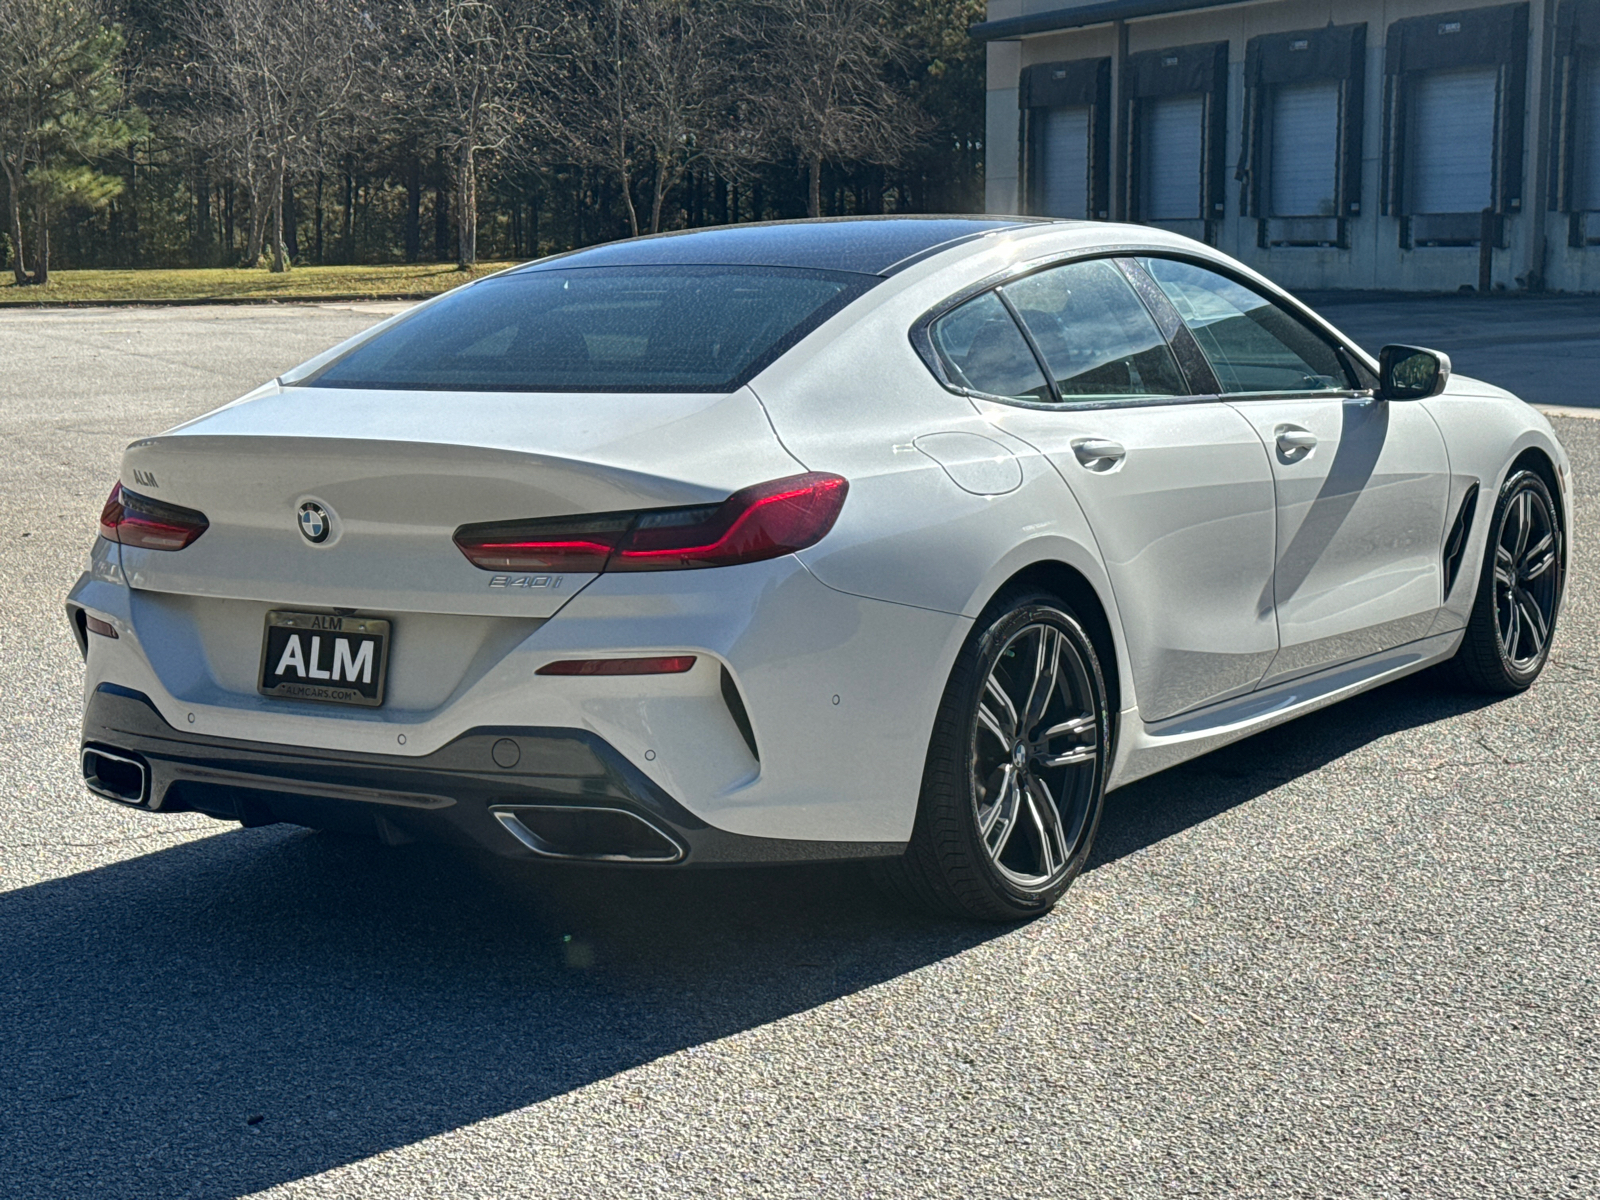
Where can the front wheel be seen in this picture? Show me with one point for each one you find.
(1015, 776)
(1519, 592)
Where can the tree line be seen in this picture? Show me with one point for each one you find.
(271, 132)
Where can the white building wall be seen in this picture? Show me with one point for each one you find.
(1375, 258)
(1001, 152)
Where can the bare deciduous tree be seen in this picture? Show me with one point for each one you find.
(272, 75)
(825, 91)
(650, 88)
(470, 62)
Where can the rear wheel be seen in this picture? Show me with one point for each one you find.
(1519, 593)
(1015, 777)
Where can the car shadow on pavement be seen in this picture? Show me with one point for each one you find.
(1156, 808)
(253, 1008)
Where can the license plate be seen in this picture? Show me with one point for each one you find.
(315, 656)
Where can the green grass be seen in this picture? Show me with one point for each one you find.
(231, 283)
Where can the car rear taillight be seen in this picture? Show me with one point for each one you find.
(762, 521)
(136, 520)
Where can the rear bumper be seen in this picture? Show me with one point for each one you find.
(521, 792)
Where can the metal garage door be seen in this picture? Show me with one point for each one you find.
(1305, 149)
(1450, 150)
(1170, 173)
(1064, 172)
(1588, 156)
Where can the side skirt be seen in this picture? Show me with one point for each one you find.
(1146, 748)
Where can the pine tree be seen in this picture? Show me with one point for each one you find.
(63, 109)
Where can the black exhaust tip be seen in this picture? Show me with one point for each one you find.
(122, 777)
(588, 834)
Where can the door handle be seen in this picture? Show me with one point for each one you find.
(1294, 440)
(1099, 454)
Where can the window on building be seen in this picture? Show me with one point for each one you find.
(1303, 171)
(1176, 119)
(1588, 181)
(1065, 165)
(1455, 95)
(1300, 158)
(1451, 141)
(1061, 173)
(1095, 333)
(1173, 145)
(1253, 345)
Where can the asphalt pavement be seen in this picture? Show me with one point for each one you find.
(1544, 348)
(1352, 957)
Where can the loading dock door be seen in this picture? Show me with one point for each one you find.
(1171, 171)
(1588, 155)
(1064, 173)
(1304, 170)
(1451, 141)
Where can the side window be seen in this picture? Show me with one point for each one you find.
(1095, 333)
(1252, 344)
(982, 349)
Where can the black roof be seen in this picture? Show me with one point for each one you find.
(866, 245)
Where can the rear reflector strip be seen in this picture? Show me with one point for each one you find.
(96, 625)
(676, 665)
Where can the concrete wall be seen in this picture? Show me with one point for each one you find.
(1375, 257)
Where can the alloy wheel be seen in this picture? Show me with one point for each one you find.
(1036, 747)
(1526, 576)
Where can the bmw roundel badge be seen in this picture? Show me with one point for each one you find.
(314, 522)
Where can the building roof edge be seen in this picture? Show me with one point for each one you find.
(1080, 15)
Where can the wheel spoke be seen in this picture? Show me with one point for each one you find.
(1505, 567)
(1513, 632)
(987, 720)
(1078, 754)
(996, 830)
(1046, 668)
(1047, 826)
(1081, 753)
(1534, 620)
(1523, 506)
(1538, 559)
(1083, 724)
(1005, 721)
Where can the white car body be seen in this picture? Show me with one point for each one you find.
(1238, 591)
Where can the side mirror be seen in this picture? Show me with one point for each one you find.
(1411, 373)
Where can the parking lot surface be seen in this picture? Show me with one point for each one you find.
(1546, 349)
(1355, 956)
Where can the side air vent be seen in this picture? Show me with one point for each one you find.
(736, 710)
(1455, 546)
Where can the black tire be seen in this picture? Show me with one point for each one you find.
(1519, 592)
(968, 807)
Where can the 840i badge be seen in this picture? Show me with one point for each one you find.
(318, 656)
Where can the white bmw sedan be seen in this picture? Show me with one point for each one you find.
(893, 539)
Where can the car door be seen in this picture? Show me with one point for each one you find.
(1178, 489)
(1362, 484)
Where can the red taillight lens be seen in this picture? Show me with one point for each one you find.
(675, 665)
(576, 544)
(136, 520)
(763, 521)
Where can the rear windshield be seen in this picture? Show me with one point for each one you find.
(600, 329)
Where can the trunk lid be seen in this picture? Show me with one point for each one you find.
(398, 473)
